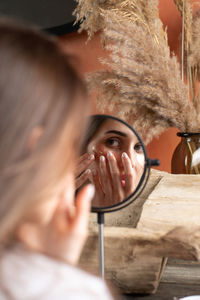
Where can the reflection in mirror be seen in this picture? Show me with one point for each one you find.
(113, 159)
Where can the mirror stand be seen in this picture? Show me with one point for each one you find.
(117, 149)
(100, 221)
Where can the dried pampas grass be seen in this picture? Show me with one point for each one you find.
(194, 55)
(142, 81)
(185, 8)
(88, 13)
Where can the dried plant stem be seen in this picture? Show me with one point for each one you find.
(191, 83)
(143, 82)
(183, 41)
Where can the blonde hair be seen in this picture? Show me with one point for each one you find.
(38, 88)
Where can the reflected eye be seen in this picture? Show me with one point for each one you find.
(113, 142)
(138, 148)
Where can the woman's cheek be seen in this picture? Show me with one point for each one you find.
(140, 159)
(99, 150)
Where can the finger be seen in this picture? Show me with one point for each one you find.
(62, 214)
(77, 229)
(83, 157)
(99, 198)
(83, 205)
(83, 163)
(129, 174)
(82, 178)
(116, 180)
(65, 216)
(96, 181)
(104, 177)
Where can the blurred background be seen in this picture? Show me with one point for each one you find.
(56, 18)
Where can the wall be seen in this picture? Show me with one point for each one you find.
(88, 54)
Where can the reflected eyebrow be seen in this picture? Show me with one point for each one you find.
(117, 132)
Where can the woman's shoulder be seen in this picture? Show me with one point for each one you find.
(26, 274)
(77, 282)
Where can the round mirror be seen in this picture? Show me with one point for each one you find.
(114, 159)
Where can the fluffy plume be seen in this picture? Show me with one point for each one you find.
(142, 80)
(88, 13)
(194, 57)
(142, 84)
(185, 8)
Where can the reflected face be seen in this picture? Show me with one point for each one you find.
(115, 137)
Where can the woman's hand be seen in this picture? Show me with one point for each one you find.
(82, 172)
(68, 228)
(111, 184)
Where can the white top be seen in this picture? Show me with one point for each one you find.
(191, 298)
(33, 276)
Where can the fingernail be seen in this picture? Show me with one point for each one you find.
(88, 171)
(91, 157)
(102, 158)
(109, 154)
(90, 191)
(124, 155)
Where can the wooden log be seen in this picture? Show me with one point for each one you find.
(125, 266)
(175, 202)
(168, 226)
(173, 210)
(179, 271)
